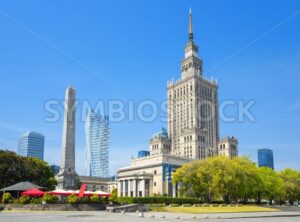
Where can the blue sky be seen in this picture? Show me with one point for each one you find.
(128, 50)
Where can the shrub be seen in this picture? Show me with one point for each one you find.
(114, 195)
(36, 201)
(73, 199)
(186, 205)
(49, 199)
(24, 200)
(85, 200)
(174, 205)
(97, 199)
(7, 198)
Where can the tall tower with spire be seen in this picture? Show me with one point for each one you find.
(193, 121)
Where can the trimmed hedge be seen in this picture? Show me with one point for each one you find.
(157, 200)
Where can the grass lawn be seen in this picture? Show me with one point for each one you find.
(199, 210)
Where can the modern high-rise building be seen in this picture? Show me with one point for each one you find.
(31, 144)
(193, 121)
(97, 135)
(265, 158)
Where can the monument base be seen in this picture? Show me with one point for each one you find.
(67, 179)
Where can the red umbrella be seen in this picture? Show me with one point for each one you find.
(33, 192)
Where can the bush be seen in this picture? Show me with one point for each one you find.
(24, 200)
(49, 199)
(95, 199)
(157, 200)
(186, 205)
(73, 199)
(114, 195)
(174, 205)
(36, 201)
(85, 200)
(7, 198)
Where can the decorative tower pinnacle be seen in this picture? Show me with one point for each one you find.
(190, 26)
(191, 65)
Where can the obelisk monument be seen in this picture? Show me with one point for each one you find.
(67, 178)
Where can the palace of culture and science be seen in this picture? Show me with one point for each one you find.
(193, 122)
(193, 132)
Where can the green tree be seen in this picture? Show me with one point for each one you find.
(291, 180)
(238, 179)
(271, 185)
(14, 169)
(247, 175)
(114, 196)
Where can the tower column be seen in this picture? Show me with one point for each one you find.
(67, 176)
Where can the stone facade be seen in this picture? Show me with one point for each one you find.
(160, 143)
(228, 146)
(193, 122)
(149, 176)
(98, 183)
(67, 177)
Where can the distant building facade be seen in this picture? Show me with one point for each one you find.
(265, 158)
(98, 183)
(228, 146)
(149, 176)
(97, 145)
(31, 144)
(143, 153)
(160, 143)
(55, 169)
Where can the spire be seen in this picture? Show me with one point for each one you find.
(190, 26)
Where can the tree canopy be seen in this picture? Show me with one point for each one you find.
(236, 180)
(15, 168)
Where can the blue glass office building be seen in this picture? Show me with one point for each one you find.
(31, 144)
(265, 158)
(97, 135)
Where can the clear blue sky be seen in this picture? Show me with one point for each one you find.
(251, 47)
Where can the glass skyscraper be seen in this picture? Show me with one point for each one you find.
(97, 135)
(265, 158)
(31, 144)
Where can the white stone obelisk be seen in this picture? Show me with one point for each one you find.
(67, 177)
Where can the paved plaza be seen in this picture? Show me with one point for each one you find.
(102, 216)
